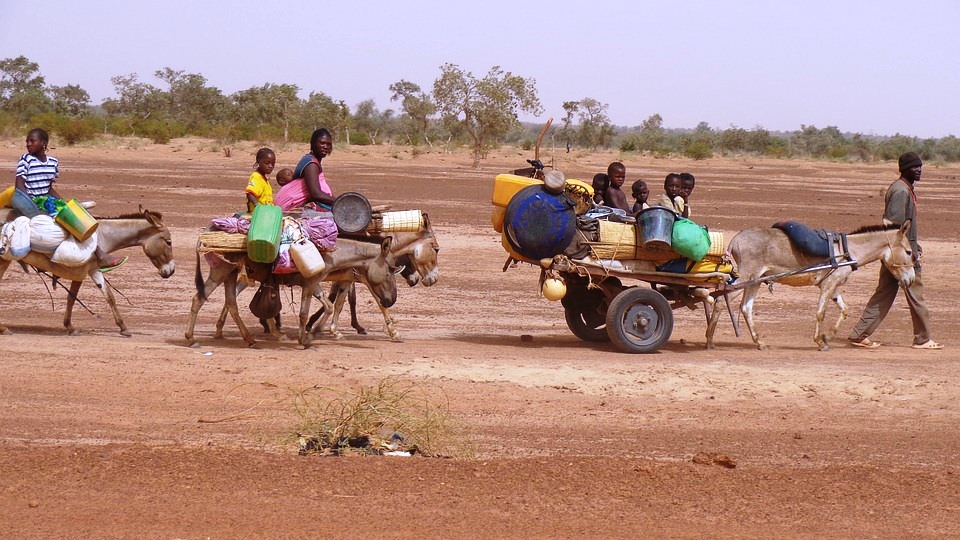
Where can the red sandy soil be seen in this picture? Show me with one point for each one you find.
(106, 436)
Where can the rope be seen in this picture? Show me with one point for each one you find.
(56, 281)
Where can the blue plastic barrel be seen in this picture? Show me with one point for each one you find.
(538, 224)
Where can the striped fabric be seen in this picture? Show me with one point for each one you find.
(39, 175)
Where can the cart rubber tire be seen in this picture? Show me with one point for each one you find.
(588, 325)
(639, 320)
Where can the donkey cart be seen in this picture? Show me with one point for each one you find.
(585, 252)
(599, 307)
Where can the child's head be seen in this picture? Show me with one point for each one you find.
(672, 185)
(284, 176)
(600, 183)
(617, 172)
(640, 191)
(37, 141)
(266, 160)
(687, 183)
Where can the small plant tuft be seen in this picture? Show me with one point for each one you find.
(393, 415)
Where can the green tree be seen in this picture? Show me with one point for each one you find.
(342, 121)
(268, 105)
(70, 100)
(732, 140)
(595, 127)
(282, 103)
(22, 88)
(699, 144)
(651, 137)
(136, 101)
(487, 108)
(569, 133)
(759, 140)
(815, 142)
(948, 148)
(417, 107)
(892, 147)
(319, 110)
(190, 101)
(369, 120)
(19, 75)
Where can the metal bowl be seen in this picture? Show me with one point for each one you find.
(351, 212)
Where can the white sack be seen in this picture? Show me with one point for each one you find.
(45, 234)
(15, 239)
(72, 252)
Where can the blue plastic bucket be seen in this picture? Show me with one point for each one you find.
(22, 203)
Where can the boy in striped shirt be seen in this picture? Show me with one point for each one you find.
(36, 171)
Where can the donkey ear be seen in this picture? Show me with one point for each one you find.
(905, 227)
(385, 245)
(142, 211)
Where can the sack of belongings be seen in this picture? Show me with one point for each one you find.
(73, 252)
(15, 239)
(45, 234)
(266, 302)
(690, 240)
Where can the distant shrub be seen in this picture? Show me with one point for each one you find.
(157, 131)
(837, 152)
(360, 139)
(77, 131)
(49, 121)
(777, 148)
(628, 144)
(526, 145)
(698, 150)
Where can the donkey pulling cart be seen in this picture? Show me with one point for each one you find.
(584, 254)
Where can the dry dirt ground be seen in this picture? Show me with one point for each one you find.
(104, 436)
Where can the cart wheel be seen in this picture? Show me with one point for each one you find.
(639, 320)
(587, 324)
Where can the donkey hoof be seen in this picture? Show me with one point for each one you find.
(73, 332)
(396, 337)
(218, 335)
(710, 346)
(763, 347)
(361, 330)
(193, 344)
(125, 333)
(5, 332)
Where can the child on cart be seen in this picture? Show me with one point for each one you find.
(640, 193)
(614, 196)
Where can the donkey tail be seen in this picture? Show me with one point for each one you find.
(199, 281)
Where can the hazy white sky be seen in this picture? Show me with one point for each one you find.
(871, 66)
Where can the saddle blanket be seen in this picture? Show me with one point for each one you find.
(815, 242)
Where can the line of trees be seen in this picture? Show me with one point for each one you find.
(459, 110)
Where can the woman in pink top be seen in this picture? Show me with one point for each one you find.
(309, 184)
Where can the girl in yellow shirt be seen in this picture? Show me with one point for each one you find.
(258, 189)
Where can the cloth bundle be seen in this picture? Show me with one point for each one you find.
(41, 233)
(15, 239)
(322, 232)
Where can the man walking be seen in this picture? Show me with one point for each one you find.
(900, 205)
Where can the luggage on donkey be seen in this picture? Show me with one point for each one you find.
(15, 239)
(74, 252)
(45, 235)
(263, 238)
